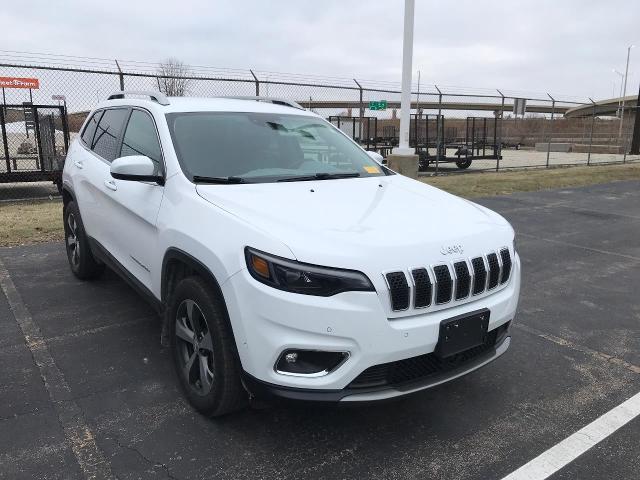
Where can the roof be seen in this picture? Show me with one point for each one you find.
(204, 104)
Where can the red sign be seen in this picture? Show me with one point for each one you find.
(19, 82)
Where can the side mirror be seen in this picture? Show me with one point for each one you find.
(136, 168)
(375, 156)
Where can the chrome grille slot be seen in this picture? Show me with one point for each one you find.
(444, 284)
(506, 265)
(494, 270)
(479, 275)
(463, 280)
(423, 288)
(399, 290)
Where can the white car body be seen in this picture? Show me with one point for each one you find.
(372, 225)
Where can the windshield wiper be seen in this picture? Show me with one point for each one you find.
(220, 180)
(320, 176)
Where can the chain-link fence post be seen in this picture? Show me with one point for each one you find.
(553, 111)
(439, 133)
(500, 125)
(120, 74)
(593, 120)
(361, 115)
(5, 141)
(257, 83)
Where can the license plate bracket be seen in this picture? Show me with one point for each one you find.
(463, 332)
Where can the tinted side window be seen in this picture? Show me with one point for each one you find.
(140, 138)
(90, 129)
(105, 140)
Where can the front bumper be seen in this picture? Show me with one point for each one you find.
(267, 321)
(269, 391)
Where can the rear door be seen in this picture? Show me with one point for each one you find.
(101, 145)
(132, 206)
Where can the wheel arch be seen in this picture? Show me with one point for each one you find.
(178, 264)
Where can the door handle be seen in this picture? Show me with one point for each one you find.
(111, 185)
(77, 163)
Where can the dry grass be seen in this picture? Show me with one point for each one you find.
(41, 221)
(30, 222)
(503, 183)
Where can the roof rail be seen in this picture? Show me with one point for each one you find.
(276, 101)
(154, 96)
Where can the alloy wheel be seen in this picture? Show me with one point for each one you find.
(73, 245)
(195, 347)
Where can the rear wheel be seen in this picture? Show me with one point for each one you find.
(463, 163)
(204, 349)
(81, 260)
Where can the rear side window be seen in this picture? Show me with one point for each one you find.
(140, 138)
(90, 129)
(105, 140)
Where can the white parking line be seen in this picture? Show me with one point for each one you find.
(572, 447)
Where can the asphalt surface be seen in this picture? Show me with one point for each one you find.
(86, 389)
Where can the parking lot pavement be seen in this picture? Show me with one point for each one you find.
(87, 390)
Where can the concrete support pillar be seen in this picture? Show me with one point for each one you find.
(406, 165)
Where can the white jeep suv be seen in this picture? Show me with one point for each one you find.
(286, 261)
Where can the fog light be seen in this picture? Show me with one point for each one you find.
(291, 357)
(309, 362)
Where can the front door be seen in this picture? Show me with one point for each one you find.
(133, 205)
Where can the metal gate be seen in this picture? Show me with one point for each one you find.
(35, 139)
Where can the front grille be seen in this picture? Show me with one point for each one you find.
(399, 290)
(479, 275)
(494, 270)
(456, 281)
(444, 283)
(422, 282)
(424, 366)
(506, 264)
(463, 280)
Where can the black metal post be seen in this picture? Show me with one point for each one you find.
(593, 119)
(257, 83)
(30, 95)
(361, 106)
(635, 137)
(40, 157)
(438, 133)
(499, 141)
(553, 111)
(65, 127)
(5, 142)
(120, 74)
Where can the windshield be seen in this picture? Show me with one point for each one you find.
(265, 147)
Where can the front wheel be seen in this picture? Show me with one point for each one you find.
(204, 349)
(81, 260)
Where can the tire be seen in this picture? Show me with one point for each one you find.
(423, 162)
(463, 164)
(204, 349)
(81, 260)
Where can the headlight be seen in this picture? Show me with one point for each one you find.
(303, 278)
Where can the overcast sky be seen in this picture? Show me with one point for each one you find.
(562, 46)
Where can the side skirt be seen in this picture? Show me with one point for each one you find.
(104, 256)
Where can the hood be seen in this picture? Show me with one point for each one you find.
(391, 221)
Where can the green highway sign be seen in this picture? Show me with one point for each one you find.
(380, 105)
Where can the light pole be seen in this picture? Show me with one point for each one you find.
(405, 98)
(621, 75)
(624, 92)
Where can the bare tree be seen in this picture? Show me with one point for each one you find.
(172, 79)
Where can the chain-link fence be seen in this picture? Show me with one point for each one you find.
(452, 130)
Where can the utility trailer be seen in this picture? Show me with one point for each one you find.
(436, 139)
(363, 132)
(35, 140)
